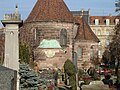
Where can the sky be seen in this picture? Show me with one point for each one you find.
(97, 7)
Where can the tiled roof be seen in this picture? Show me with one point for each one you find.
(46, 10)
(84, 31)
(103, 18)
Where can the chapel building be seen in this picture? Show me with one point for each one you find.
(54, 35)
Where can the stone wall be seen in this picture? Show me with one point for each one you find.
(105, 34)
(86, 53)
(7, 79)
(34, 33)
(55, 59)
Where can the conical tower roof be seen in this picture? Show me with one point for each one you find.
(45, 10)
(84, 31)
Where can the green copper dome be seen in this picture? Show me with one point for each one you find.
(49, 44)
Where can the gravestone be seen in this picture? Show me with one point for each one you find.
(8, 78)
(95, 85)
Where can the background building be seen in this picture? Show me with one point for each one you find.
(103, 28)
(84, 13)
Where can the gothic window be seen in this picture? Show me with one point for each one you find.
(79, 52)
(63, 37)
(92, 52)
(38, 33)
(34, 32)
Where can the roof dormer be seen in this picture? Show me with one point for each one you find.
(107, 22)
(117, 21)
(96, 21)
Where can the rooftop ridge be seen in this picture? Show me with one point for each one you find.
(84, 31)
(50, 10)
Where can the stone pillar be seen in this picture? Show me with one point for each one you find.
(11, 59)
(11, 23)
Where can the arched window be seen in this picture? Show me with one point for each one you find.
(80, 52)
(63, 37)
(92, 52)
(107, 32)
(99, 32)
(35, 36)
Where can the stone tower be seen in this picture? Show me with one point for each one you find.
(11, 23)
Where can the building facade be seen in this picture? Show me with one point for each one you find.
(103, 27)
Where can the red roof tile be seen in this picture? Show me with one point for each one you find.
(50, 10)
(103, 18)
(84, 31)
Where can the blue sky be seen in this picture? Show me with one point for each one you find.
(97, 7)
